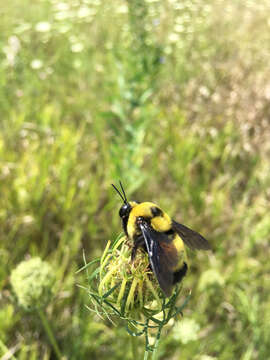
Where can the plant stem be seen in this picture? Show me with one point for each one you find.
(49, 333)
(146, 353)
(134, 348)
(7, 353)
(155, 352)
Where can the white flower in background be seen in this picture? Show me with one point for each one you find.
(179, 28)
(77, 47)
(33, 283)
(204, 91)
(43, 26)
(210, 278)
(36, 64)
(186, 330)
(12, 49)
(85, 11)
(122, 9)
(173, 37)
(63, 15)
(99, 68)
(61, 6)
(27, 219)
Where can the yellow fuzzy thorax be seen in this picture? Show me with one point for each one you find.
(159, 223)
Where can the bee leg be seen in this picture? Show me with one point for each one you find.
(133, 252)
(138, 242)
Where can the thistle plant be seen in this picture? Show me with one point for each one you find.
(33, 284)
(128, 291)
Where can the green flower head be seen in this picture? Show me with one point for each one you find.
(33, 283)
(128, 290)
(136, 286)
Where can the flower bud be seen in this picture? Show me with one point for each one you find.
(135, 285)
(33, 282)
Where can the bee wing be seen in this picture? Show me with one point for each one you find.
(190, 237)
(162, 256)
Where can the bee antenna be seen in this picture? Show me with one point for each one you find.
(123, 191)
(123, 198)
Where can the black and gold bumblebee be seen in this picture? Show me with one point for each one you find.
(161, 237)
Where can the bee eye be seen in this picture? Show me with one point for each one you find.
(124, 210)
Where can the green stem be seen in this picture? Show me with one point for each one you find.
(134, 348)
(7, 353)
(146, 353)
(155, 352)
(49, 333)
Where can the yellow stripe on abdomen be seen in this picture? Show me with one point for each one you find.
(181, 251)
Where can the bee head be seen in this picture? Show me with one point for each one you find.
(126, 207)
(125, 210)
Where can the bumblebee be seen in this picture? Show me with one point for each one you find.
(164, 240)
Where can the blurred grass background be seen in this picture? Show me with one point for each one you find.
(172, 97)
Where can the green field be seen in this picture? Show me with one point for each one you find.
(172, 97)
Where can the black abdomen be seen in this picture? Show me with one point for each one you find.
(179, 274)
